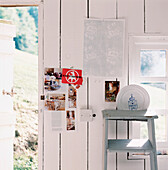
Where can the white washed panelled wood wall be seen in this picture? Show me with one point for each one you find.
(63, 39)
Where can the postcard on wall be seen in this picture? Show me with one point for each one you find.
(111, 90)
(72, 95)
(52, 79)
(70, 120)
(55, 102)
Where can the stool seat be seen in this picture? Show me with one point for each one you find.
(128, 115)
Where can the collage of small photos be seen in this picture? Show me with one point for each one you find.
(60, 99)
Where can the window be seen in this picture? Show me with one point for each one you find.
(148, 62)
(153, 63)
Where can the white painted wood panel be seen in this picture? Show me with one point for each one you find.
(156, 13)
(133, 12)
(7, 47)
(97, 104)
(99, 9)
(7, 31)
(74, 144)
(20, 2)
(6, 147)
(51, 59)
(51, 33)
(8, 118)
(102, 8)
(73, 14)
(124, 164)
(40, 87)
(51, 144)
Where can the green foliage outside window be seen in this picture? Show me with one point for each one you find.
(26, 21)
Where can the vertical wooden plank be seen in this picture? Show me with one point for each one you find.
(124, 163)
(96, 148)
(133, 12)
(40, 86)
(103, 8)
(51, 59)
(105, 143)
(73, 14)
(51, 33)
(156, 11)
(51, 144)
(96, 126)
(74, 144)
(100, 9)
(153, 154)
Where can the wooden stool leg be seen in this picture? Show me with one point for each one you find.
(153, 155)
(105, 143)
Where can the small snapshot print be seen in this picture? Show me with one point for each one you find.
(55, 102)
(70, 119)
(52, 80)
(111, 90)
(72, 96)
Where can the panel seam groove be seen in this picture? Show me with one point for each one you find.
(43, 91)
(116, 9)
(60, 34)
(60, 57)
(144, 16)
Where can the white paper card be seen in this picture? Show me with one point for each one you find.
(103, 47)
(56, 121)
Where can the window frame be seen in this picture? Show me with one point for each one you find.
(136, 44)
(17, 3)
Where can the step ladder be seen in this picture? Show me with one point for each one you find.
(130, 145)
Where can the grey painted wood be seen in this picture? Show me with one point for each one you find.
(131, 145)
(128, 114)
(105, 143)
(153, 155)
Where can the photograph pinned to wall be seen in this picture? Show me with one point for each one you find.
(70, 120)
(52, 79)
(55, 102)
(72, 93)
(111, 90)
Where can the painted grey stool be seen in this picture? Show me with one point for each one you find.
(124, 145)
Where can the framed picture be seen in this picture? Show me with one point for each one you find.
(111, 90)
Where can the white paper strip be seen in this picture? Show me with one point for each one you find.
(56, 121)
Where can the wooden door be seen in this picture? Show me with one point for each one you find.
(7, 117)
